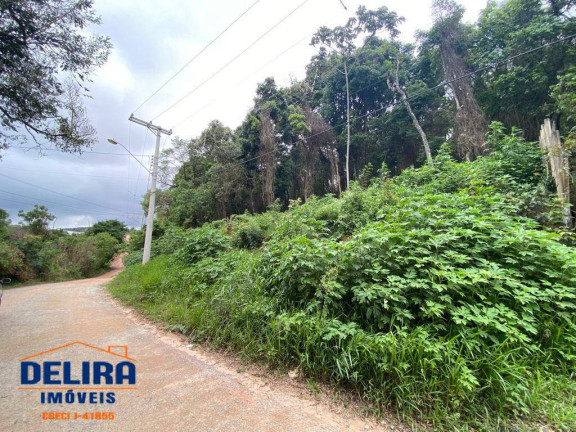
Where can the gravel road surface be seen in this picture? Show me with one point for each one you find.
(177, 388)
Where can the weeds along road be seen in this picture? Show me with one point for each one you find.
(177, 389)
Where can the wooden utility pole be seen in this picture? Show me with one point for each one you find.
(156, 130)
(558, 162)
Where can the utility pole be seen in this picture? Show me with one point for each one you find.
(157, 130)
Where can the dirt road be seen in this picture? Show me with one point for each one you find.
(178, 389)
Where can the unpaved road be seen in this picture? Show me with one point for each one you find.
(178, 389)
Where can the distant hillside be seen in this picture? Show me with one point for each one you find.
(77, 229)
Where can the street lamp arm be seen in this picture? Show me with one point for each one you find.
(111, 141)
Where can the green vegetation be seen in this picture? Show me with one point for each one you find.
(46, 57)
(434, 278)
(33, 251)
(402, 100)
(113, 227)
(447, 293)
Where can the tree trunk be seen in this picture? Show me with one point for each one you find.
(347, 127)
(470, 124)
(267, 157)
(397, 88)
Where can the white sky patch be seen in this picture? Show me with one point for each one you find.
(115, 76)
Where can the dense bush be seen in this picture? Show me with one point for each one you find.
(203, 243)
(137, 237)
(79, 256)
(249, 236)
(113, 227)
(172, 239)
(12, 262)
(55, 255)
(106, 247)
(133, 258)
(432, 292)
(442, 268)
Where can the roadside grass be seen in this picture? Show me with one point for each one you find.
(446, 295)
(388, 371)
(20, 284)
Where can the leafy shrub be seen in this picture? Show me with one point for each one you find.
(133, 258)
(136, 240)
(172, 240)
(60, 257)
(512, 158)
(203, 242)
(137, 237)
(113, 227)
(106, 247)
(430, 292)
(35, 256)
(79, 256)
(445, 175)
(12, 262)
(249, 236)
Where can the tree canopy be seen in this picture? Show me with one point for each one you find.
(37, 219)
(45, 59)
(113, 227)
(372, 103)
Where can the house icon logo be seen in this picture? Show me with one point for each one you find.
(116, 350)
(79, 373)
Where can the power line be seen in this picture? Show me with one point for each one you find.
(42, 200)
(197, 55)
(66, 173)
(59, 193)
(254, 73)
(240, 82)
(441, 84)
(81, 154)
(231, 61)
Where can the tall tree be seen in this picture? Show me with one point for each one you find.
(517, 93)
(400, 89)
(267, 156)
(37, 219)
(4, 223)
(341, 40)
(41, 43)
(450, 34)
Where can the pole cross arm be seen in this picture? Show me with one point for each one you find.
(149, 125)
(157, 130)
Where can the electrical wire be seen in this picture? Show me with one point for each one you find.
(231, 61)
(59, 193)
(64, 173)
(441, 84)
(82, 154)
(197, 55)
(42, 200)
(186, 119)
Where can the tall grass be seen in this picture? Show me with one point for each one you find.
(437, 294)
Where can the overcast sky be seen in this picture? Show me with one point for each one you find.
(152, 41)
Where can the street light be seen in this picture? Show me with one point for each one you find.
(111, 141)
(151, 202)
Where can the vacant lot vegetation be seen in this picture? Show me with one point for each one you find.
(31, 251)
(446, 293)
